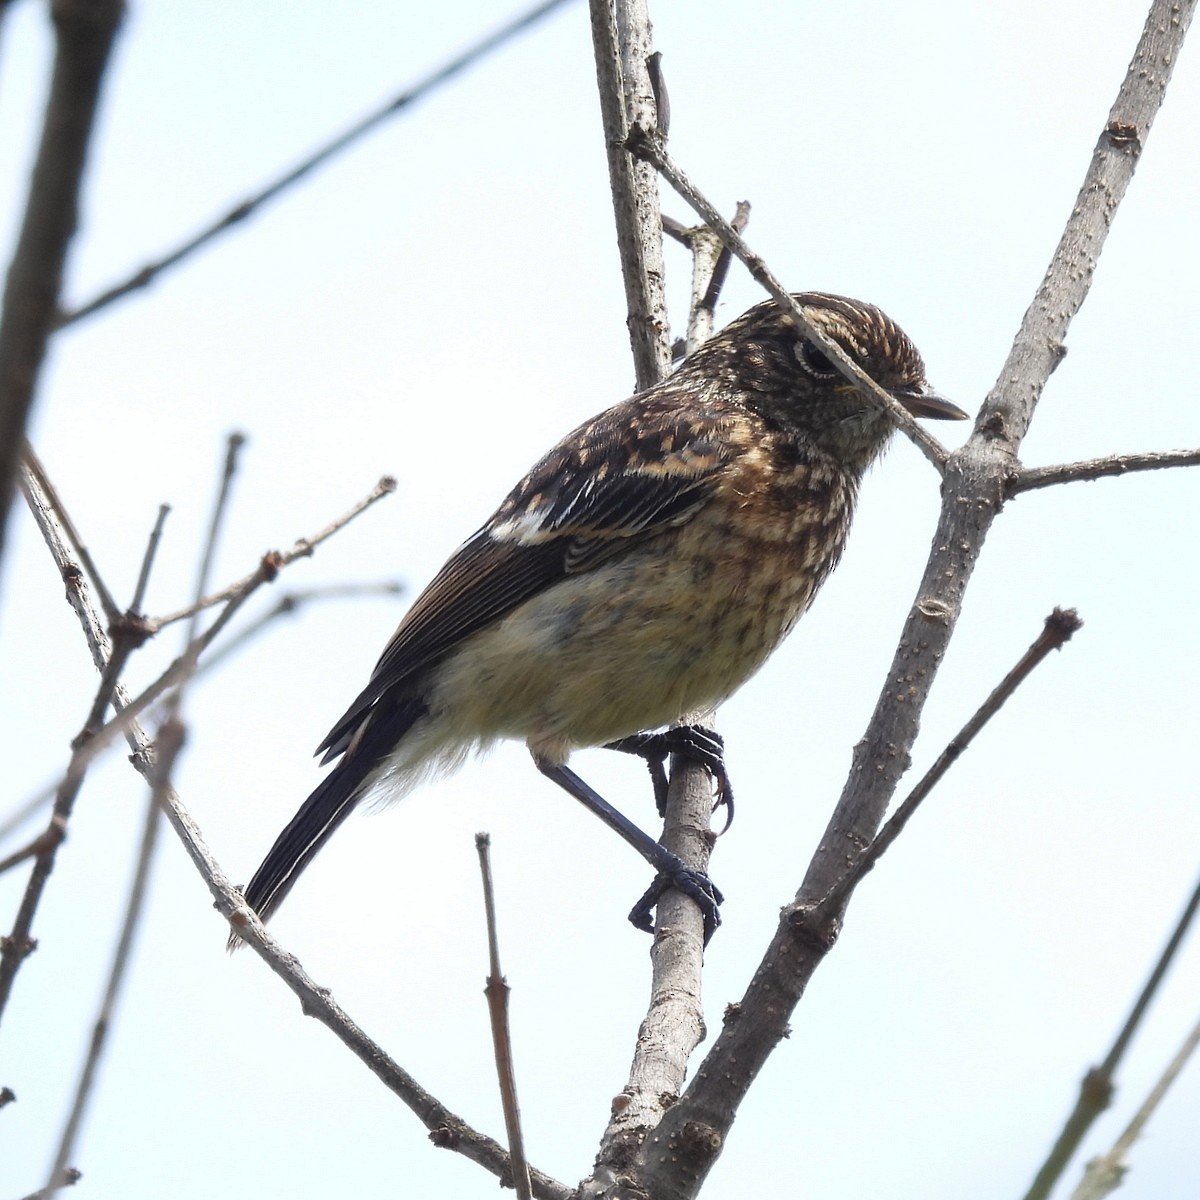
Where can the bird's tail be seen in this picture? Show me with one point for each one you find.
(331, 802)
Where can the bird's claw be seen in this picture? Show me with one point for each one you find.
(697, 742)
(694, 884)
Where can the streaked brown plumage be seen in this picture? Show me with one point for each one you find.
(643, 569)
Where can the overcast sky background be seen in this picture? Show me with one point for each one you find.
(442, 304)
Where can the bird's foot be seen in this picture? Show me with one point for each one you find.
(696, 885)
(697, 742)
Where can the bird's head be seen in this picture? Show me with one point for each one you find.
(789, 379)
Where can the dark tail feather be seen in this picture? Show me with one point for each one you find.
(330, 804)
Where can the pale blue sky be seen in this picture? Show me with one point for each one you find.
(442, 304)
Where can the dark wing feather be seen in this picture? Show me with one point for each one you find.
(482, 581)
(635, 470)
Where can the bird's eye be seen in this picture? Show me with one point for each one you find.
(815, 361)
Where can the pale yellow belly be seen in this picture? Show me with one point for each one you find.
(634, 644)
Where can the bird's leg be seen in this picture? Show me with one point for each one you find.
(697, 742)
(672, 870)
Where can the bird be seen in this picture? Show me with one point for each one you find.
(642, 570)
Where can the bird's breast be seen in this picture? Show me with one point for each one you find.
(676, 624)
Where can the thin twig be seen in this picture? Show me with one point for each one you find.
(273, 561)
(233, 450)
(35, 467)
(720, 272)
(128, 633)
(45, 841)
(1113, 1059)
(167, 745)
(1059, 627)
(110, 658)
(710, 268)
(134, 906)
(20, 943)
(1134, 1129)
(26, 812)
(497, 990)
(83, 38)
(143, 581)
(126, 627)
(236, 215)
(49, 519)
(286, 605)
(234, 597)
(69, 1177)
(193, 644)
(1104, 1174)
(649, 146)
(1029, 478)
(446, 1129)
(1096, 1091)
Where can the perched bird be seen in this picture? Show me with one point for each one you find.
(644, 568)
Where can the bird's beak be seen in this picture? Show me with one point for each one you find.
(925, 402)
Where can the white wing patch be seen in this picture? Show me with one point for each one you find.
(530, 527)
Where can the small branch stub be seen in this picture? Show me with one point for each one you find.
(497, 992)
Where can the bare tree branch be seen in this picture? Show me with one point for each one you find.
(1104, 1174)
(68, 1178)
(1096, 1091)
(497, 1001)
(143, 580)
(234, 598)
(710, 268)
(273, 561)
(126, 637)
(233, 450)
(1060, 625)
(45, 485)
(84, 33)
(676, 1156)
(674, 1023)
(621, 41)
(134, 907)
(130, 630)
(1029, 478)
(286, 605)
(167, 744)
(236, 215)
(96, 734)
(446, 1129)
(19, 944)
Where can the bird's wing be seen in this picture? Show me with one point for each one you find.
(634, 471)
